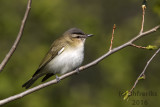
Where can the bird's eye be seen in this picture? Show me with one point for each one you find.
(78, 36)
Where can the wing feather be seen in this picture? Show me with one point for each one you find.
(55, 49)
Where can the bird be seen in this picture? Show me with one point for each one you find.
(65, 54)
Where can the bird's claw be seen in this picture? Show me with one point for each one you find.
(77, 70)
(57, 78)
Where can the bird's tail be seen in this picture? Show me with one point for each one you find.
(29, 82)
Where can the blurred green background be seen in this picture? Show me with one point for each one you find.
(98, 86)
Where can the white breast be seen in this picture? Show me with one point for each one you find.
(67, 61)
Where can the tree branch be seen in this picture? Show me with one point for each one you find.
(142, 75)
(14, 46)
(29, 91)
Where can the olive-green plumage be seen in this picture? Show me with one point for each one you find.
(66, 53)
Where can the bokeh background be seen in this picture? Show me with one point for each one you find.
(98, 86)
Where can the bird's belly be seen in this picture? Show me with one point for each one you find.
(66, 61)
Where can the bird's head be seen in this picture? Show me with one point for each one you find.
(76, 36)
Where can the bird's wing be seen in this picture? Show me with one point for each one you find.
(55, 50)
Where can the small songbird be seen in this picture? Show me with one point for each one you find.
(66, 54)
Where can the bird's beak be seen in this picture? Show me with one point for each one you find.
(89, 35)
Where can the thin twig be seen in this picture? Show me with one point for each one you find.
(144, 70)
(142, 25)
(141, 47)
(114, 27)
(14, 46)
(20, 95)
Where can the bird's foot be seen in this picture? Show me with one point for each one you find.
(77, 71)
(57, 78)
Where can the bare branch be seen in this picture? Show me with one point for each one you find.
(142, 75)
(14, 46)
(114, 27)
(20, 95)
(142, 25)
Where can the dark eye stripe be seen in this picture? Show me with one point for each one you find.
(78, 37)
(79, 33)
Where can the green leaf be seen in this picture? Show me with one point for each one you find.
(151, 47)
(142, 77)
(126, 95)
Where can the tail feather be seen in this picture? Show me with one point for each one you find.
(47, 76)
(36, 75)
(29, 82)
